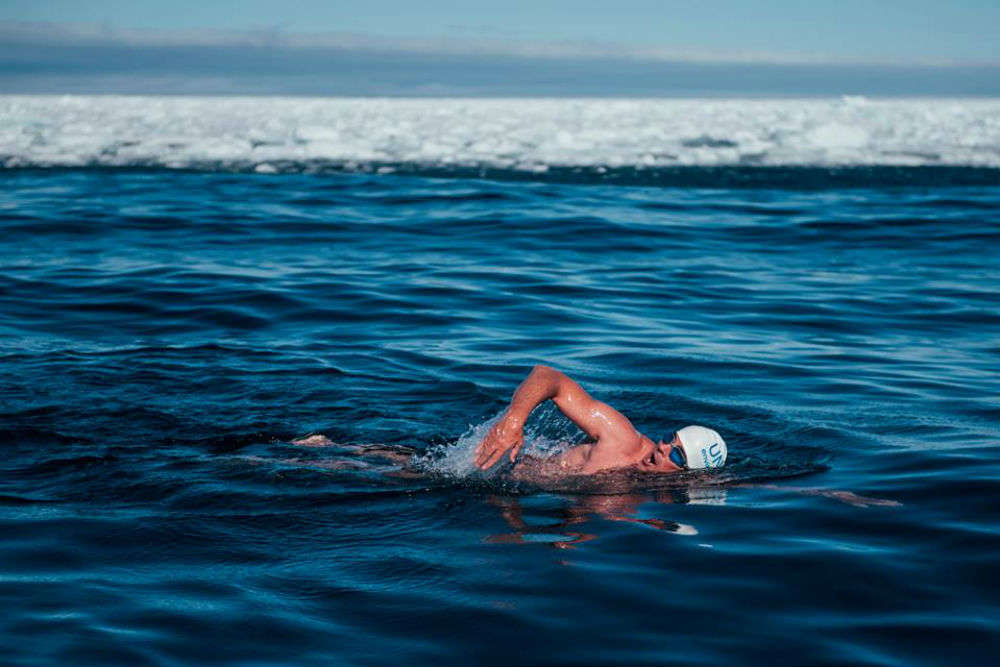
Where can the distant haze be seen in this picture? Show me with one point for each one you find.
(96, 58)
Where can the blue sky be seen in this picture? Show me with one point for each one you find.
(902, 31)
(554, 48)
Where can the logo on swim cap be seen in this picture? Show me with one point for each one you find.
(703, 447)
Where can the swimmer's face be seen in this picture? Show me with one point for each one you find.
(659, 459)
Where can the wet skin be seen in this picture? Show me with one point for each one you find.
(616, 443)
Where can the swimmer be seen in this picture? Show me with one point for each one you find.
(616, 444)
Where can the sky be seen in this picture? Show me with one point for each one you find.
(884, 30)
(554, 47)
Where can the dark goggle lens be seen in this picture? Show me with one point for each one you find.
(677, 456)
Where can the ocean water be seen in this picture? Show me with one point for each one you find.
(188, 285)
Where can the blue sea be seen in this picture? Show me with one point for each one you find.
(187, 286)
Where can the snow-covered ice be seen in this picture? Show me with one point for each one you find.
(280, 133)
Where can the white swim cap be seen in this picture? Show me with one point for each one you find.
(703, 447)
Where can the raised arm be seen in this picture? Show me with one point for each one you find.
(598, 420)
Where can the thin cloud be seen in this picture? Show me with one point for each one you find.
(46, 58)
(482, 45)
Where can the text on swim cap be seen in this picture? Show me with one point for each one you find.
(712, 456)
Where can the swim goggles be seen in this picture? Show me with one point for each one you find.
(677, 457)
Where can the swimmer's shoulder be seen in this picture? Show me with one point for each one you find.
(616, 452)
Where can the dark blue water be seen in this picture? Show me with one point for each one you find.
(165, 334)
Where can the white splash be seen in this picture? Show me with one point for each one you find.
(458, 459)
(273, 134)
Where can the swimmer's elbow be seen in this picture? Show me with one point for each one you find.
(556, 382)
(541, 370)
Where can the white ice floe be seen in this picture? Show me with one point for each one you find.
(269, 134)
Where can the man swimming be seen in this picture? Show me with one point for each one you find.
(616, 443)
(617, 446)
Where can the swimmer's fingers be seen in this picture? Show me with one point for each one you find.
(494, 456)
(491, 448)
(487, 450)
(502, 437)
(484, 450)
(484, 457)
(496, 451)
(487, 446)
(517, 449)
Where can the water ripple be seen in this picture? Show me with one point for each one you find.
(166, 334)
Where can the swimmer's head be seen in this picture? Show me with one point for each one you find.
(703, 447)
(691, 448)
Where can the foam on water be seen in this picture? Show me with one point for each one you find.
(458, 459)
(274, 134)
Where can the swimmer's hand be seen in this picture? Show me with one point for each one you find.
(506, 435)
